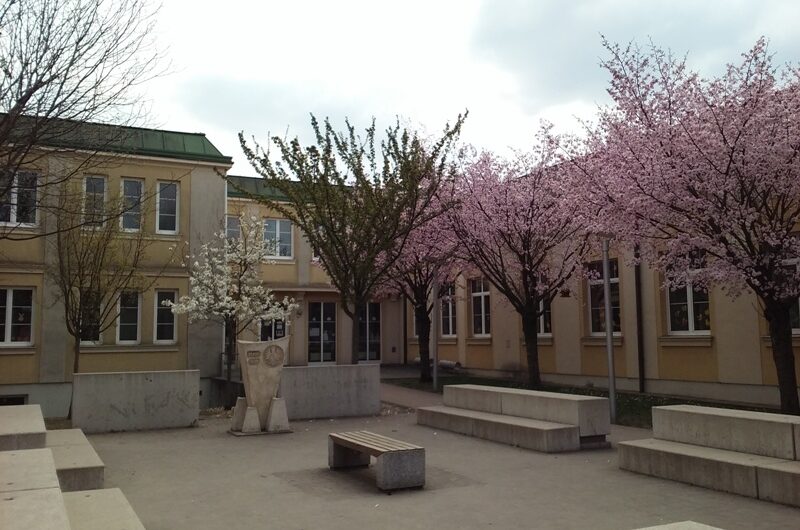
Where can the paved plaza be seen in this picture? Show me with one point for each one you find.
(205, 478)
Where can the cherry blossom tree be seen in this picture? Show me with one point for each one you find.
(426, 260)
(517, 225)
(226, 284)
(704, 174)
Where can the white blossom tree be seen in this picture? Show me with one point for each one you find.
(226, 284)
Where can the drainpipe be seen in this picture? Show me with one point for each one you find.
(637, 271)
(405, 329)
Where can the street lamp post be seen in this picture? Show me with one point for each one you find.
(612, 391)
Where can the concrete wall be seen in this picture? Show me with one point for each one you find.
(129, 401)
(331, 391)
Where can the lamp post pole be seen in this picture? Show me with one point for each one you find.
(612, 391)
(434, 348)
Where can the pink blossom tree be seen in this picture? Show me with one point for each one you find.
(704, 175)
(427, 260)
(517, 225)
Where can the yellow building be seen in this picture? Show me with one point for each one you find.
(180, 172)
(320, 331)
(684, 342)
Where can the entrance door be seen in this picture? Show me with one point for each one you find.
(321, 332)
(369, 342)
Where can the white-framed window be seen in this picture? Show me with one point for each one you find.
(233, 229)
(545, 319)
(369, 341)
(688, 311)
(321, 332)
(481, 311)
(167, 208)
(165, 331)
(128, 322)
(90, 318)
(18, 204)
(273, 329)
(448, 304)
(16, 316)
(278, 232)
(94, 200)
(597, 308)
(131, 219)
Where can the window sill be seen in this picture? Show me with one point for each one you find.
(448, 340)
(767, 340)
(600, 341)
(274, 260)
(683, 341)
(17, 350)
(120, 348)
(479, 340)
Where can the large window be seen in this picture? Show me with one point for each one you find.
(165, 331)
(129, 317)
(545, 326)
(233, 230)
(18, 204)
(369, 341)
(481, 322)
(688, 310)
(16, 316)
(167, 206)
(597, 308)
(321, 332)
(273, 329)
(132, 204)
(448, 296)
(94, 200)
(278, 232)
(90, 317)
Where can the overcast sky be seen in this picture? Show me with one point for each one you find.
(262, 67)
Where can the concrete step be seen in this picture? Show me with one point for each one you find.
(21, 427)
(589, 413)
(59, 437)
(712, 468)
(538, 435)
(79, 467)
(102, 509)
(780, 483)
(40, 509)
(758, 433)
(29, 469)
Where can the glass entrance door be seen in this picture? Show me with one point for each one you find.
(369, 341)
(321, 332)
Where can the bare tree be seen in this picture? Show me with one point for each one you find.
(65, 63)
(95, 266)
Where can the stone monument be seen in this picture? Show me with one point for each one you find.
(261, 411)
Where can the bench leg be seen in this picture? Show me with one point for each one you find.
(401, 469)
(340, 456)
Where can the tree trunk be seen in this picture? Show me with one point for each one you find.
(777, 314)
(356, 335)
(230, 347)
(423, 322)
(76, 361)
(76, 365)
(530, 329)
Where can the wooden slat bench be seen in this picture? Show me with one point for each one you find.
(398, 464)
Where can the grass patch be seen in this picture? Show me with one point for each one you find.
(633, 409)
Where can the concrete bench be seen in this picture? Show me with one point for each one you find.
(758, 433)
(542, 421)
(102, 509)
(589, 413)
(29, 469)
(21, 427)
(748, 453)
(398, 464)
(548, 437)
(78, 465)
